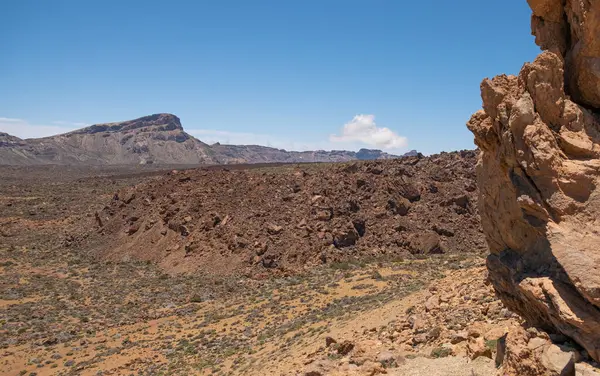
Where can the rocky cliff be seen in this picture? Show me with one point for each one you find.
(156, 138)
(539, 172)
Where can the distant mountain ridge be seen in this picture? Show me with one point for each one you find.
(154, 139)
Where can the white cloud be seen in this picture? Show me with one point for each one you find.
(363, 129)
(23, 129)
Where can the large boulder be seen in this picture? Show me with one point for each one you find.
(531, 353)
(539, 175)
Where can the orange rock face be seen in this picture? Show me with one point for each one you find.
(539, 172)
(571, 29)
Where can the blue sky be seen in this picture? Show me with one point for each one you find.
(308, 74)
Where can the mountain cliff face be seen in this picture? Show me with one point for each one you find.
(539, 175)
(158, 139)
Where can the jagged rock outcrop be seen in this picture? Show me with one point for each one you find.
(571, 29)
(539, 171)
(532, 353)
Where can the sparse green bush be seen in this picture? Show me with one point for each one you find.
(340, 266)
(491, 344)
(441, 352)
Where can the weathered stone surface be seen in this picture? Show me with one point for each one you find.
(432, 303)
(477, 348)
(426, 243)
(538, 175)
(557, 361)
(585, 369)
(526, 353)
(571, 29)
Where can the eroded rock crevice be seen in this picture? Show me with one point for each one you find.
(539, 171)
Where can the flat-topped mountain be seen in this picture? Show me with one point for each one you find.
(151, 139)
(156, 122)
(154, 139)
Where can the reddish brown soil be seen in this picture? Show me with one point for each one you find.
(67, 308)
(286, 218)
